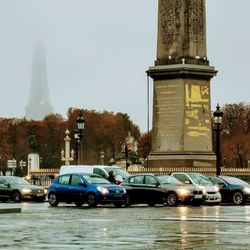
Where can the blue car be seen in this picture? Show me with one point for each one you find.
(87, 188)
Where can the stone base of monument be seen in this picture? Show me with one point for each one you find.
(180, 160)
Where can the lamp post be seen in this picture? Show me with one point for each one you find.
(22, 164)
(102, 155)
(218, 127)
(78, 134)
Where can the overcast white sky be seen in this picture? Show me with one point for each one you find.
(98, 52)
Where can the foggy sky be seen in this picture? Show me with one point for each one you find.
(98, 51)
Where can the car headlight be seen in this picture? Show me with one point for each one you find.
(217, 189)
(103, 190)
(183, 191)
(45, 191)
(247, 190)
(26, 190)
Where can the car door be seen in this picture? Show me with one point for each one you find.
(5, 190)
(77, 189)
(62, 188)
(151, 192)
(135, 188)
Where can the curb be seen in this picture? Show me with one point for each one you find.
(10, 210)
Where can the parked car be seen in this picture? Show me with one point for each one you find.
(232, 189)
(85, 187)
(150, 189)
(16, 189)
(212, 194)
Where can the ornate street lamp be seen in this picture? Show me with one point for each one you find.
(218, 127)
(78, 134)
(66, 155)
(80, 121)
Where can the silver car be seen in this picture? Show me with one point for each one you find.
(212, 194)
(16, 188)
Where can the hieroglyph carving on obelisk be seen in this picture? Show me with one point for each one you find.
(181, 30)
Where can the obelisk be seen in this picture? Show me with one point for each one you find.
(182, 133)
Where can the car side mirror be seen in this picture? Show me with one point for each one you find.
(7, 185)
(187, 182)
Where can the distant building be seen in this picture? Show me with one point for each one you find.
(39, 102)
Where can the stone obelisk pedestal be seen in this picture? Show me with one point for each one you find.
(182, 133)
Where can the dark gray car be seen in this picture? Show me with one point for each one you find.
(16, 189)
(150, 189)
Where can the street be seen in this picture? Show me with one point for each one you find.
(40, 226)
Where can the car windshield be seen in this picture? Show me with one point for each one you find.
(200, 179)
(18, 181)
(166, 179)
(234, 180)
(118, 171)
(95, 179)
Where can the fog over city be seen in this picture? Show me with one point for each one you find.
(98, 51)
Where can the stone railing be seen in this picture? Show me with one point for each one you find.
(45, 176)
(202, 170)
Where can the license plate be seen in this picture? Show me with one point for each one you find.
(198, 196)
(117, 195)
(39, 195)
(212, 198)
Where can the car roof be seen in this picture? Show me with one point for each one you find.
(141, 174)
(79, 173)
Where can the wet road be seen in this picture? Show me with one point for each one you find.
(138, 227)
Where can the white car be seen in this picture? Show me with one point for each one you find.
(212, 194)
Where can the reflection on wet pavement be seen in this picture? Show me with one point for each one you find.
(138, 227)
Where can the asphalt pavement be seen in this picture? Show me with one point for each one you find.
(40, 226)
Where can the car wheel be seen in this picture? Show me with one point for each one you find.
(16, 197)
(53, 201)
(238, 198)
(91, 200)
(172, 199)
(79, 203)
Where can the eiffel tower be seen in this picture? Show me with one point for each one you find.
(39, 102)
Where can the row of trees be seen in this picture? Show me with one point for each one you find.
(106, 131)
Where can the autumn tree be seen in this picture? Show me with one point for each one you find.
(235, 135)
(6, 150)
